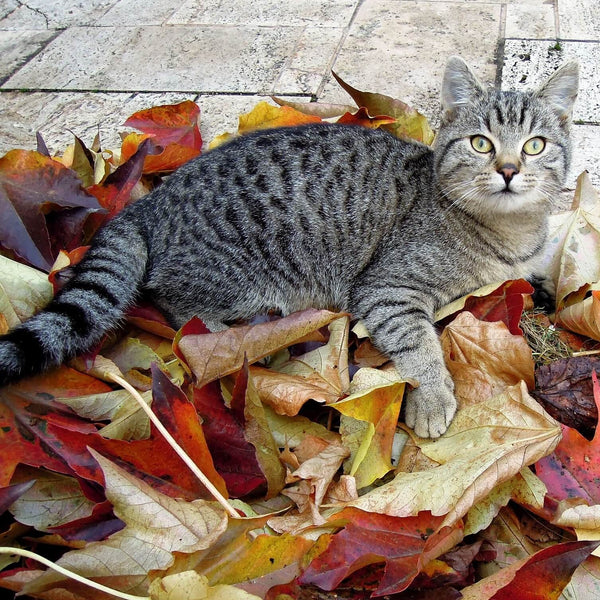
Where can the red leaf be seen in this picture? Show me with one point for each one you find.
(234, 457)
(114, 193)
(27, 413)
(32, 185)
(152, 460)
(403, 543)
(173, 127)
(573, 469)
(544, 575)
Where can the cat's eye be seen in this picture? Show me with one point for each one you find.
(481, 144)
(534, 146)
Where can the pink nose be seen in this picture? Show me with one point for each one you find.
(508, 171)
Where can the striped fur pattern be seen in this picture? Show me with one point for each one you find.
(331, 216)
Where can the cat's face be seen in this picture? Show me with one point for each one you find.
(500, 152)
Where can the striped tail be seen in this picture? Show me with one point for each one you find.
(104, 285)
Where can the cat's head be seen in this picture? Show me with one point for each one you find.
(498, 152)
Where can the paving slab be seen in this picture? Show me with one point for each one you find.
(193, 58)
(586, 153)
(579, 19)
(134, 13)
(17, 47)
(57, 114)
(527, 63)
(334, 13)
(53, 14)
(526, 20)
(401, 48)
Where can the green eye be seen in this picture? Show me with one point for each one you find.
(534, 146)
(481, 144)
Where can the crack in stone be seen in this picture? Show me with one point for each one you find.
(36, 11)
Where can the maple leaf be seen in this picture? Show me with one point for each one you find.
(156, 526)
(404, 544)
(27, 412)
(504, 302)
(265, 116)
(484, 358)
(32, 186)
(408, 122)
(543, 575)
(173, 127)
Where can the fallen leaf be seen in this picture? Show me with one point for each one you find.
(484, 358)
(23, 291)
(364, 119)
(406, 545)
(265, 116)
(543, 575)
(485, 445)
(565, 389)
(215, 355)
(495, 302)
(376, 412)
(408, 122)
(31, 186)
(571, 257)
(156, 527)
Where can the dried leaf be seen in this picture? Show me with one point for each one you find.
(156, 527)
(573, 241)
(265, 116)
(32, 185)
(409, 123)
(484, 358)
(485, 445)
(215, 355)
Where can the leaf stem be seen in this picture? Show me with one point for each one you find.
(178, 449)
(70, 574)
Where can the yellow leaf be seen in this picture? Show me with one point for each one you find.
(265, 116)
(189, 585)
(573, 250)
(23, 291)
(368, 425)
(486, 444)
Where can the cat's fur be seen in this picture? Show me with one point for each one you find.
(330, 216)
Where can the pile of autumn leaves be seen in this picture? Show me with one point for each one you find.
(296, 418)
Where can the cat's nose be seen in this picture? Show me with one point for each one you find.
(508, 171)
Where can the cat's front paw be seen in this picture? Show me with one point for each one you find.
(430, 408)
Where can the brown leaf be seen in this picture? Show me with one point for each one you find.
(215, 355)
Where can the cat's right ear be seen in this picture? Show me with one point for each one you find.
(460, 87)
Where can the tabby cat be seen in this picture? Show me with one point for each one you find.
(331, 216)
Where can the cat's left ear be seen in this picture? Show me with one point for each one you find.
(560, 91)
(460, 87)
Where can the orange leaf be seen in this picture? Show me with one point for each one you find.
(362, 118)
(265, 116)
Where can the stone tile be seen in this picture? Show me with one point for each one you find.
(17, 46)
(310, 63)
(334, 13)
(191, 58)
(83, 113)
(55, 14)
(140, 12)
(400, 48)
(527, 63)
(579, 19)
(586, 153)
(7, 6)
(530, 21)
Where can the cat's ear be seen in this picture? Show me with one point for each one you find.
(460, 87)
(560, 91)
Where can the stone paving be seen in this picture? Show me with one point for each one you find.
(84, 65)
